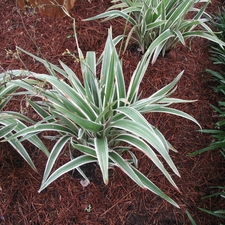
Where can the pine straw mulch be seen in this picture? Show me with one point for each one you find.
(121, 201)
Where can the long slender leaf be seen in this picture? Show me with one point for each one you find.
(146, 134)
(102, 152)
(153, 188)
(141, 145)
(53, 156)
(119, 161)
(7, 129)
(40, 128)
(73, 164)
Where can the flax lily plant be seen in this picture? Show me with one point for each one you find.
(97, 117)
(159, 25)
(11, 122)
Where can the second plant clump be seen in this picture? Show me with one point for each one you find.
(159, 25)
(95, 117)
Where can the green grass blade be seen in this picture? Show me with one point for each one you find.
(190, 218)
(217, 145)
(213, 213)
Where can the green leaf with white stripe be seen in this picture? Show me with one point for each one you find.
(148, 135)
(153, 188)
(142, 146)
(102, 152)
(71, 165)
(97, 116)
(150, 19)
(59, 145)
(40, 128)
(125, 167)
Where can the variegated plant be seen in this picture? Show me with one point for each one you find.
(159, 25)
(98, 117)
(11, 122)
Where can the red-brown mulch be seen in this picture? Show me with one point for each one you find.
(65, 201)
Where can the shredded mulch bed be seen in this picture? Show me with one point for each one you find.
(65, 201)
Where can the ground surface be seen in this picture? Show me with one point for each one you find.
(121, 201)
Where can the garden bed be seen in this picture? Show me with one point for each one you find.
(65, 201)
